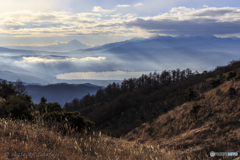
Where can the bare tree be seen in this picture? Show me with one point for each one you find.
(20, 88)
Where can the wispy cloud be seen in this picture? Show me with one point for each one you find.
(138, 4)
(178, 21)
(35, 44)
(189, 21)
(100, 10)
(109, 75)
(123, 6)
(57, 59)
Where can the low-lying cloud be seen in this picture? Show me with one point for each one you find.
(58, 59)
(109, 75)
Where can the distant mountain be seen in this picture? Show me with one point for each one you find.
(111, 45)
(61, 92)
(70, 46)
(11, 76)
(90, 81)
(12, 50)
(205, 51)
(160, 42)
(60, 47)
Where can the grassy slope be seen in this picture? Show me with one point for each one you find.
(217, 127)
(18, 137)
(173, 135)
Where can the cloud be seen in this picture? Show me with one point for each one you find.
(123, 6)
(109, 75)
(138, 4)
(188, 21)
(56, 59)
(36, 5)
(99, 9)
(34, 44)
(181, 10)
(178, 21)
(205, 6)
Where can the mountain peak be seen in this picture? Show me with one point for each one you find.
(74, 42)
(160, 37)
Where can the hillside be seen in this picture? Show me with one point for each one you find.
(120, 108)
(172, 115)
(35, 141)
(192, 116)
(207, 122)
(214, 126)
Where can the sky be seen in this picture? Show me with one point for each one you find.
(92, 22)
(51, 22)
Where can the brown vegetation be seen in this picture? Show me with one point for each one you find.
(178, 119)
(22, 140)
(216, 127)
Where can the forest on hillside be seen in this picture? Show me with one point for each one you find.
(184, 112)
(119, 108)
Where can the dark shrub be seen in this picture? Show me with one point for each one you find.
(73, 119)
(17, 108)
(231, 75)
(51, 107)
(194, 110)
(6, 89)
(214, 83)
(237, 78)
(190, 95)
(232, 91)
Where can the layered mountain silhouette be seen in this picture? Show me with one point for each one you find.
(207, 51)
(162, 42)
(60, 47)
(61, 92)
(157, 52)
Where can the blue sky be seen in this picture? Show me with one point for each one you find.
(92, 22)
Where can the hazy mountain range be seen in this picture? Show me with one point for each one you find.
(59, 47)
(135, 55)
(60, 92)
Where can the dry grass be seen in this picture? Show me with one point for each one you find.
(217, 127)
(22, 140)
(172, 136)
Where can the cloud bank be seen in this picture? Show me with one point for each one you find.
(109, 75)
(105, 22)
(188, 21)
(55, 59)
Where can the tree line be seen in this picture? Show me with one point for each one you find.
(15, 103)
(119, 108)
(114, 90)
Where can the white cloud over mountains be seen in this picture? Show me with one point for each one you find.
(189, 21)
(178, 21)
(108, 75)
(50, 59)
